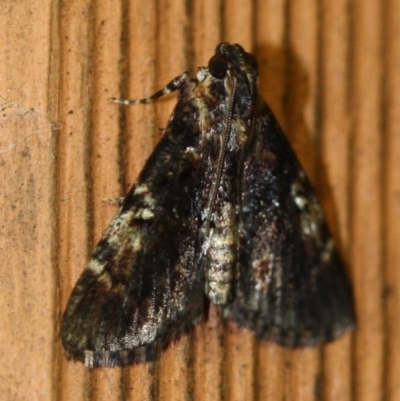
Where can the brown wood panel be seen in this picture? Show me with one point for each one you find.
(366, 196)
(28, 137)
(330, 72)
(333, 177)
(105, 161)
(391, 203)
(73, 164)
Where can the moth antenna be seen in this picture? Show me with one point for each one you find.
(172, 86)
(221, 157)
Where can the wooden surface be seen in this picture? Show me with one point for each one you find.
(330, 71)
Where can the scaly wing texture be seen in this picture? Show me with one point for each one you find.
(291, 286)
(142, 287)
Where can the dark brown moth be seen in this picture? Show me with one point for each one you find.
(222, 212)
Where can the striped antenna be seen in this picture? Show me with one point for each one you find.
(172, 86)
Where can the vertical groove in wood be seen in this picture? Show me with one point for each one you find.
(239, 363)
(301, 94)
(208, 364)
(204, 37)
(73, 194)
(366, 186)
(238, 23)
(303, 380)
(333, 177)
(172, 51)
(270, 372)
(53, 110)
(140, 57)
(391, 208)
(104, 148)
(335, 118)
(271, 53)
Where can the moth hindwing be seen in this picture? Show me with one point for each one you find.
(222, 212)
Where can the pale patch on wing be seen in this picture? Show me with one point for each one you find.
(310, 211)
(122, 230)
(144, 214)
(148, 199)
(96, 266)
(327, 252)
(140, 189)
(120, 236)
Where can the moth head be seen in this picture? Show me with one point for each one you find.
(232, 64)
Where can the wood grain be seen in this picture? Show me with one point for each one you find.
(330, 71)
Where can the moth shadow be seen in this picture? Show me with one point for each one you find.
(285, 85)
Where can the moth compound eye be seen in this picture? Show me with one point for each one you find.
(218, 66)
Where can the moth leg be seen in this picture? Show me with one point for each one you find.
(172, 86)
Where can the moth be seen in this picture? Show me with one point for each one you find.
(222, 212)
